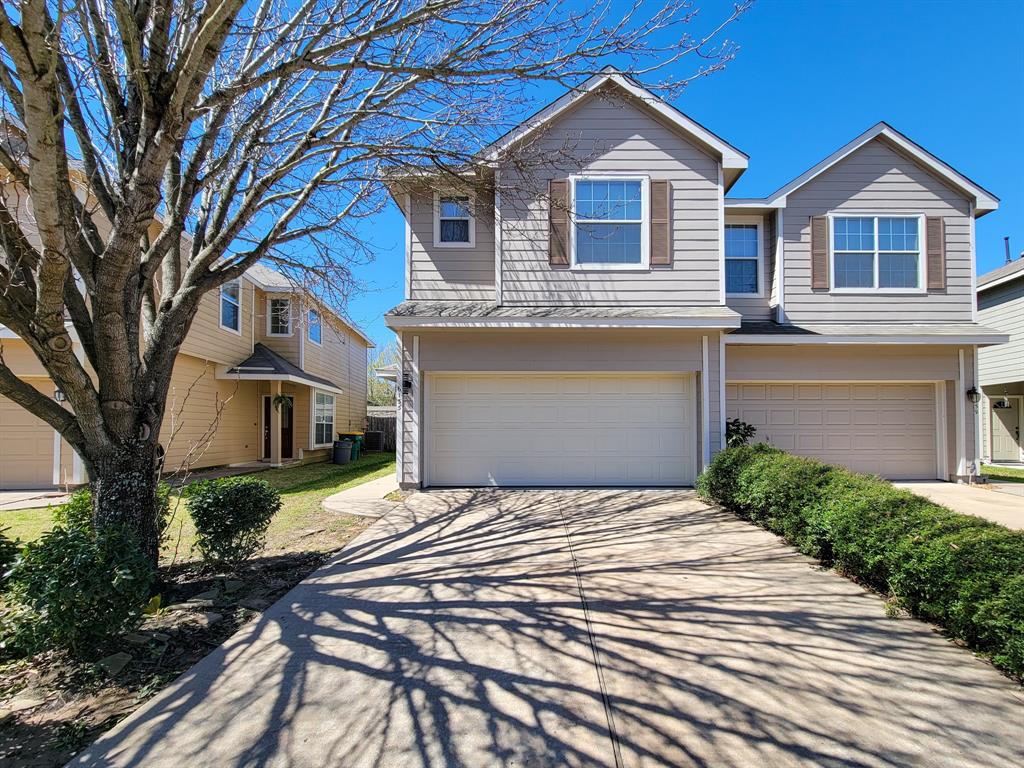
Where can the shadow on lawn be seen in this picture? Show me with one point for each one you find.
(453, 633)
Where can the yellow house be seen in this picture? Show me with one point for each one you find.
(266, 374)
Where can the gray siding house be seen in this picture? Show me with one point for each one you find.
(587, 306)
(1001, 368)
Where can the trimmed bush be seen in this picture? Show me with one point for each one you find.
(72, 590)
(231, 516)
(959, 571)
(76, 512)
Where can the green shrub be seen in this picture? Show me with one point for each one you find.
(8, 553)
(231, 516)
(959, 571)
(738, 432)
(72, 590)
(76, 512)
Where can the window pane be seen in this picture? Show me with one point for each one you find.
(280, 316)
(897, 270)
(230, 290)
(741, 276)
(853, 234)
(609, 200)
(608, 244)
(455, 207)
(314, 326)
(741, 241)
(897, 234)
(229, 314)
(454, 231)
(855, 270)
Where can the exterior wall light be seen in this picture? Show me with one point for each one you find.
(406, 383)
(58, 395)
(974, 395)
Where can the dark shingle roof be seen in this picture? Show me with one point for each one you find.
(264, 360)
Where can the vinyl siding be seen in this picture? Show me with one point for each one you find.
(606, 135)
(207, 339)
(439, 274)
(759, 308)
(876, 178)
(286, 346)
(1002, 307)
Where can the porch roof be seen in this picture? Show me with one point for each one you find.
(264, 364)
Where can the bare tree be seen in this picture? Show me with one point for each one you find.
(165, 146)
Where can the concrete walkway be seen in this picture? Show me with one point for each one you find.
(365, 500)
(30, 499)
(979, 500)
(575, 628)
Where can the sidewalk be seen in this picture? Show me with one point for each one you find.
(31, 499)
(366, 500)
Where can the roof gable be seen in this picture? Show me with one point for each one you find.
(734, 162)
(984, 201)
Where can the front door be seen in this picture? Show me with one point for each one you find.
(1006, 429)
(266, 427)
(287, 428)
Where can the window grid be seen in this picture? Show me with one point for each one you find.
(876, 253)
(230, 306)
(608, 221)
(280, 317)
(323, 418)
(454, 216)
(742, 253)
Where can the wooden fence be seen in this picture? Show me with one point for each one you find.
(382, 419)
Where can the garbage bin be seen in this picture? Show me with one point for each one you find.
(357, 442)
(343, 451)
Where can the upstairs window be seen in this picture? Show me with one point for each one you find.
(743, 259)
(877, 253)
(609, 222)
(454, 225)
(314, 326)
(230, 306)
(323, 418)
(279, 317)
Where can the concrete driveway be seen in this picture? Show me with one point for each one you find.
(576, 628)
(978, 500)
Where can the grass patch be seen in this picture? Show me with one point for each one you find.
(26, 524)
(1004, 474)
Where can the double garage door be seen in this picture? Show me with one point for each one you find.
(883, 429)
(26, 448)
(560, 429)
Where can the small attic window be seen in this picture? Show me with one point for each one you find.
(454, 223)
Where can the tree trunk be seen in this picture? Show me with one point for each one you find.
(124, 493)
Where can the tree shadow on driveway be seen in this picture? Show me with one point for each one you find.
(463, 630)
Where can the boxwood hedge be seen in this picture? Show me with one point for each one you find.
(961, 572)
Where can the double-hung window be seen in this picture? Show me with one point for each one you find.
(743, 259)
(314, 326)
(230, 306)
(454, 224)
(279, 317)
(323, 418)
(877, 253)
(609, 222)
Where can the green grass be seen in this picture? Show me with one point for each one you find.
(1004, 474)
(300, 525)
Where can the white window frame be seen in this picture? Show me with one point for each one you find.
(319, 324)
(220, 306)
(922, 256)
(270, 314)
(471, 219)
(747, 220)
(313, 422)
(645, 223)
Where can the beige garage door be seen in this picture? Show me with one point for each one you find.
(882, 429)
(559, 429)
(26, 448)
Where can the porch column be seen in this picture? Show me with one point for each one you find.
(275, 425)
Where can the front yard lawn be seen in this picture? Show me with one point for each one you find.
(51, 705)
(1003, 474)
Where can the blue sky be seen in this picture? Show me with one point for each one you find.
(810, 76)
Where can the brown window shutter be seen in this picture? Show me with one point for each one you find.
(661, 230)
(558, 223)
(935, 233)
(819, 253)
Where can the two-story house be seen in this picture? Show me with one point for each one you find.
(1001, 368)
(587, 306)
(266, 374)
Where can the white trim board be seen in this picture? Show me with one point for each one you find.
(395, 322)
(783, 340)
(758, 222)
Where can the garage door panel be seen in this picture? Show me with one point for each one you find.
(26, 448)
(883, 429)
(559, 429)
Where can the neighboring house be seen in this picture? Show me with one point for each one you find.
(591, 311)
(1001, 369)
(259, 340)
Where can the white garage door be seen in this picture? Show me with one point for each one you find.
(559, 429)
(881, 429)
(26, 448)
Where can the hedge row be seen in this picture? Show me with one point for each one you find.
(961, 572)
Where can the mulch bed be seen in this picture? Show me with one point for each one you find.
(52, 706)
